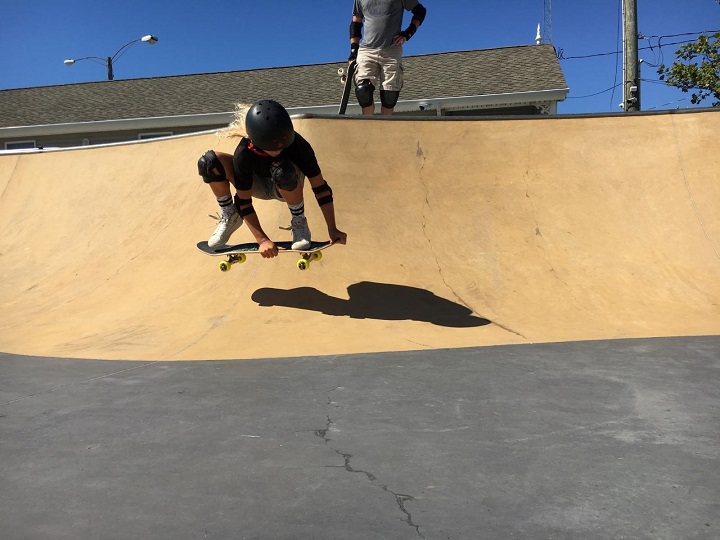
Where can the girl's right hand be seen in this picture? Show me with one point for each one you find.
(268, 249)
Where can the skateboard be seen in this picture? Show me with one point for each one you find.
(346, 76)
(238, 253)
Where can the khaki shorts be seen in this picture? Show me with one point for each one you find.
(381, 66)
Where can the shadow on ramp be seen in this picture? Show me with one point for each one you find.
(369, 300)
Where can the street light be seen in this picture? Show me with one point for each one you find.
(108, 62)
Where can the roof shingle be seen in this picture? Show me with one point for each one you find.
(441, 75)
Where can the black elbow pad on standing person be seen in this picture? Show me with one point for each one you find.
(419, 13)
(408, 32)
(355, 29)
(354, 48)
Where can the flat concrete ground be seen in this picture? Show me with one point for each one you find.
(591, 440)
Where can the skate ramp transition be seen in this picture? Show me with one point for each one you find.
(460, 233)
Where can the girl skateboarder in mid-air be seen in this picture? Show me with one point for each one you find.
(271, 162)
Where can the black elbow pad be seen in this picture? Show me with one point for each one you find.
(419, 13)
(355, 29)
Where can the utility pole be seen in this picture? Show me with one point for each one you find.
(631, 65)
(111, 75)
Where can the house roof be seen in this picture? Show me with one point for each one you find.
(441, 75)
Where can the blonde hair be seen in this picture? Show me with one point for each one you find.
(236, 128)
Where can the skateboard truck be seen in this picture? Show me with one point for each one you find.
(239, 258)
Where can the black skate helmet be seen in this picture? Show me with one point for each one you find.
(269, 126)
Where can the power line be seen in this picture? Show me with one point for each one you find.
(659, 46)
(643, 36)
(666, 104)
(561, 55)
(596, 93)
(653, 81)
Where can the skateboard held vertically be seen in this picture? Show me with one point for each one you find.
(346, 75)
(238, 253)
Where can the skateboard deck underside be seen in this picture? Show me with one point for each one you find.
(252, 247)
(349, 73)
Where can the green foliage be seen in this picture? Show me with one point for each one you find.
(696, 69)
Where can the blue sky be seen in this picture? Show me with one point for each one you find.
(198, 36)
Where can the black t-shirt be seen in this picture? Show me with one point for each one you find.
(249, 159)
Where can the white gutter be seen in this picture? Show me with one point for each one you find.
(453, 103)
(131, 124)
(193, 120)
(483, 102)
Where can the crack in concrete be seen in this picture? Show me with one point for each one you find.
(421, 156)
(78, 383)
(690, 193)
(537, 229)
(542, 245)
(508, 329)
(400, 498)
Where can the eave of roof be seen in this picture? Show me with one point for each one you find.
(197, 120)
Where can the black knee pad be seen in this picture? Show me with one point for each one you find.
(210, 168)
(285, 175)
(389, 98)
(364, 93)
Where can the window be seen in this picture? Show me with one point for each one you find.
(19, 145)
(143, 136)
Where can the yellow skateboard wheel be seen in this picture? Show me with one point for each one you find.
(235, 258)
(303, 264)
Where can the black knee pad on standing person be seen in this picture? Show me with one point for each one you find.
(389, 98)
(364, 93)
(284, 174)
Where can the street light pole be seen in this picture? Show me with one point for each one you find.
(108, 62)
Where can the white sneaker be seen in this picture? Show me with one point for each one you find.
(225, 228)
(300, 232)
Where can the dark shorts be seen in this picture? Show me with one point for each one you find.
(265, 189)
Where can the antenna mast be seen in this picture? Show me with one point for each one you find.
(547, 23)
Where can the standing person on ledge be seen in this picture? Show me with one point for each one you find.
(379, 55)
